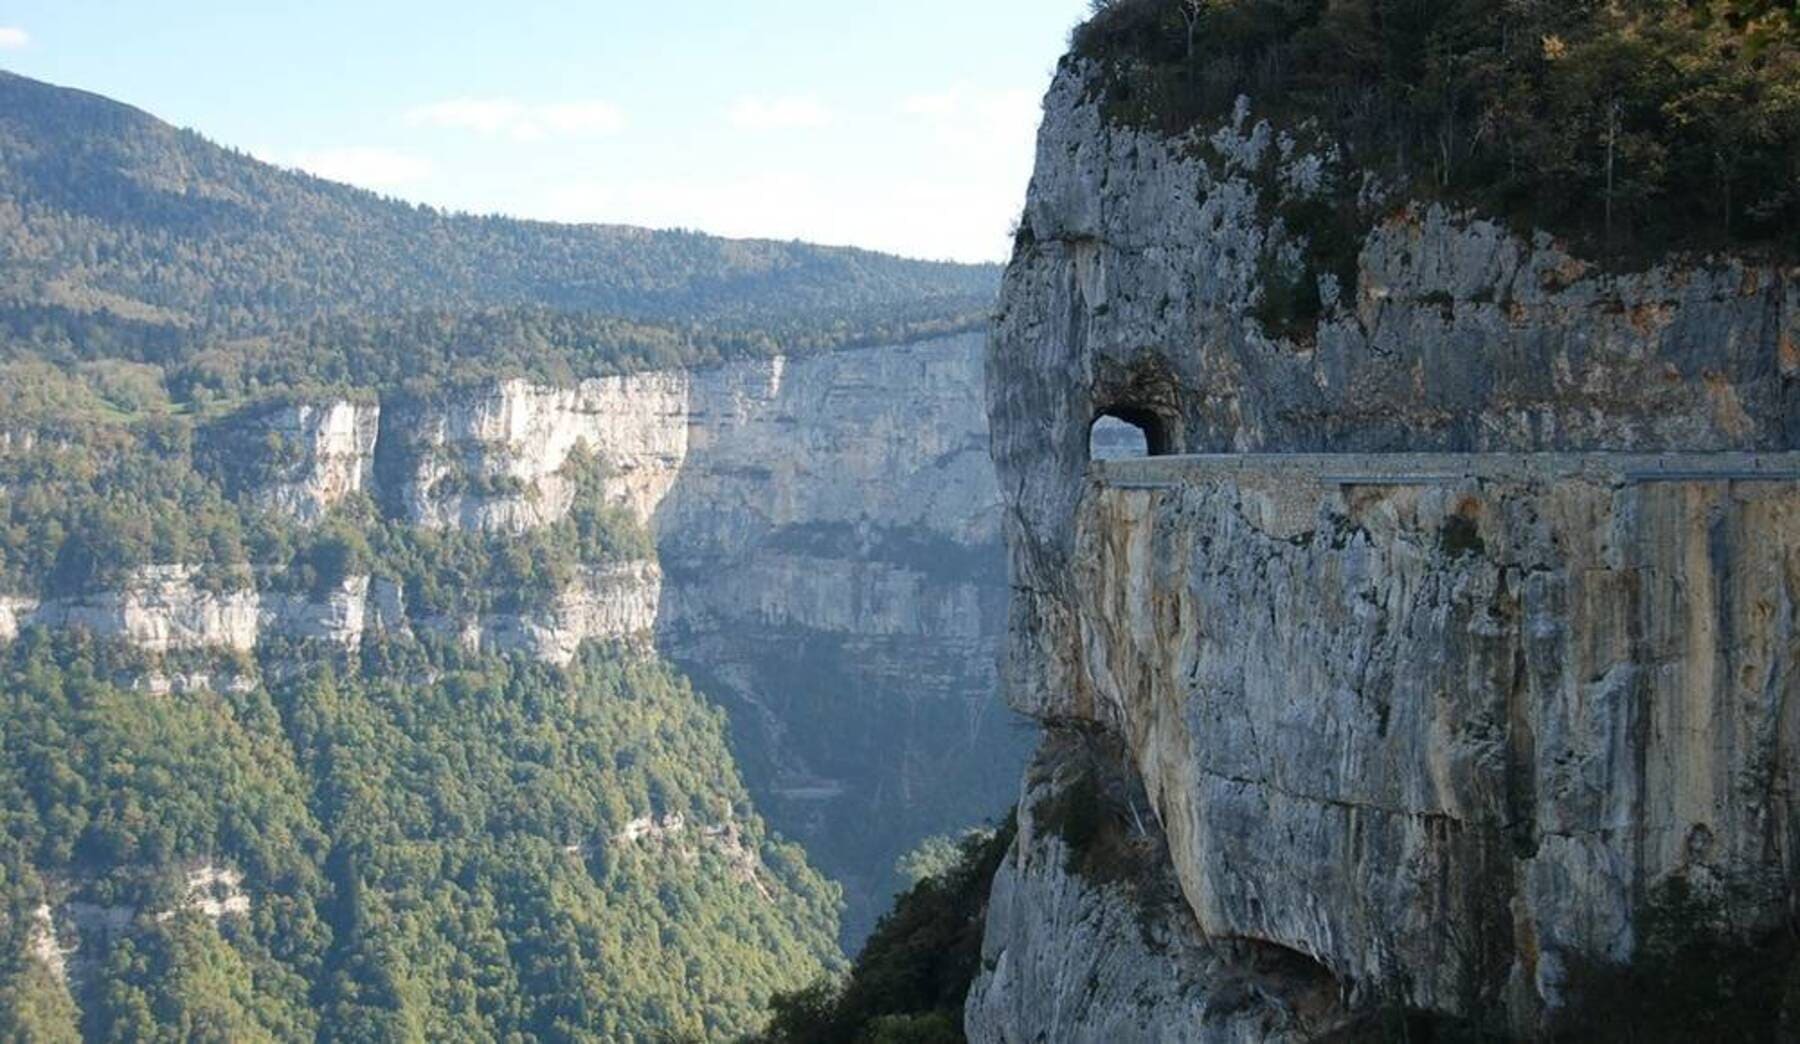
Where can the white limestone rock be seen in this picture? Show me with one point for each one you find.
(14, 610)
(340, 618)
(325, 454)
(493, 460)
(1107, 953)
(162, 609)
(608, 603)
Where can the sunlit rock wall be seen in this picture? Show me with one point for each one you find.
(1441, 739)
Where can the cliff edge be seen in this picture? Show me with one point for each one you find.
(1449, 634)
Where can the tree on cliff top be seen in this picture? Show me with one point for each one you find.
(1631, 125)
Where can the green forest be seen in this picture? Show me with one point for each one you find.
(435, 846)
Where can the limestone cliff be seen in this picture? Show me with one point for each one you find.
(828, 533)
(827, 565)
(323, 454)
(1445, 724)
(164, 609)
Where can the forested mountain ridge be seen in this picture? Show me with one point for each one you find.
(169, 243)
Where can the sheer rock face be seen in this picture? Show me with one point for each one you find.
(1081, 947)
(163, 609)
(326, 455)
(1445, 740)
(492, 459)
(166, 608)
(610, 602)
(890, 438)
(836, 577)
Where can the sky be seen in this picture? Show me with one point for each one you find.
(898, 126)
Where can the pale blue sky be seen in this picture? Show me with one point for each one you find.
(901, 126)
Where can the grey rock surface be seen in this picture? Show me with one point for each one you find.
(1443, 738)
(1080, 952)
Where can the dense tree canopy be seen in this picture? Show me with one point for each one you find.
(1635, 126)
(435, 844)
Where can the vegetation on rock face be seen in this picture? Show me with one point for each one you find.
(910, 983)
(93, 505)
(435, 844)
(1633, 126)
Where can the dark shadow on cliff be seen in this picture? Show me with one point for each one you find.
(851, 636)
(1693, 979)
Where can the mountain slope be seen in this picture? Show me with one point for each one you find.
(104, 208)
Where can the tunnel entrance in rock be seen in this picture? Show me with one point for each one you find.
(1124, 433)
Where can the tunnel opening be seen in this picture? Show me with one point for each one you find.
(1127, 432)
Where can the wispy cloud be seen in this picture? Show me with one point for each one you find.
(793, 112)
(976, 146)
(365, 166)
(12, 38)
(519, 121)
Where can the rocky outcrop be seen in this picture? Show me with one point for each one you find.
(163, 609)
(317, 455)
(43, 945)
(339, 617)
(69, 937)
(673, 834)
(1447, 726)
(1087, 938)
(493, 459)
(169, 608)
(12, 611)
(607, 603)
(214, 891)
